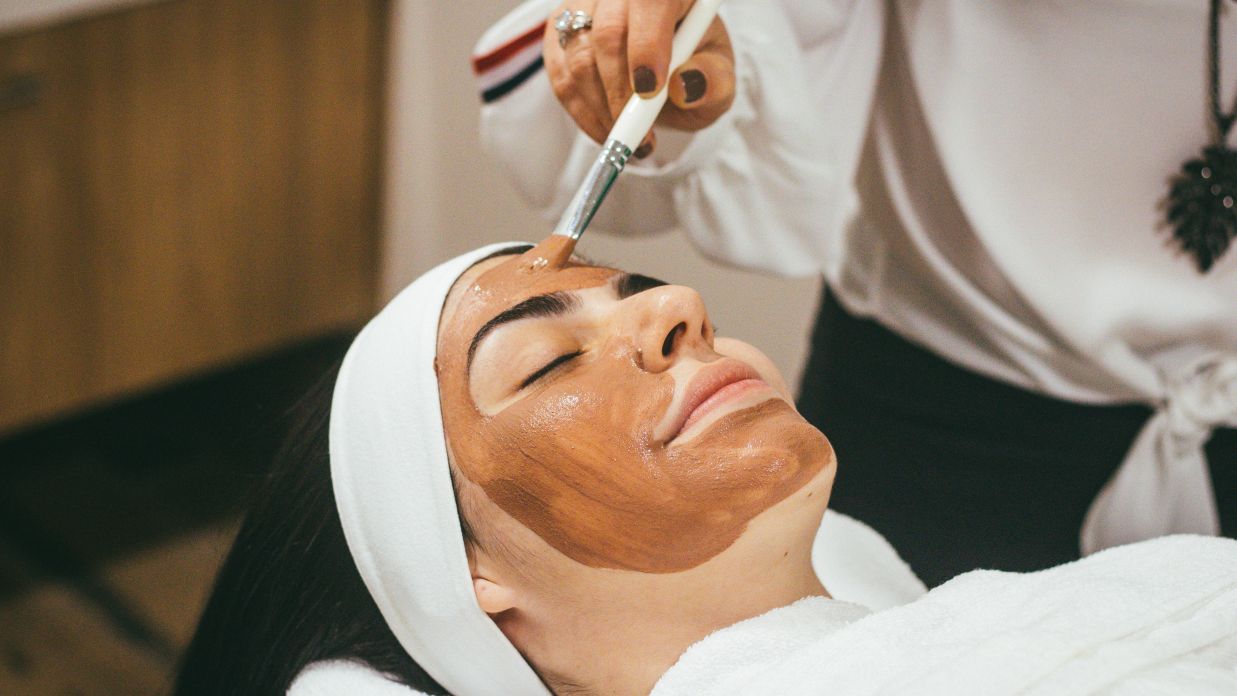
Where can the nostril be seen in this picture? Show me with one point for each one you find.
(667, 347)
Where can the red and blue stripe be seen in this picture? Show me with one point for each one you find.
(510, 65)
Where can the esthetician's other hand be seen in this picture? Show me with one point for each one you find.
(628, 49)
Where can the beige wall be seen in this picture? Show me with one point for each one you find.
(441, 197)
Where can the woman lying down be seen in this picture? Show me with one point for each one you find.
(554, 478)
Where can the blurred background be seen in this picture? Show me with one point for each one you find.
(200, 202)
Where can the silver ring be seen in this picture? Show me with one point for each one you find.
(570, 23)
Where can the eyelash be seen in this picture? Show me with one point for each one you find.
(549, 367)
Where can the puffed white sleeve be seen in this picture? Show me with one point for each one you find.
(767, 187)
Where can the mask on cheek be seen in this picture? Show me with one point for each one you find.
(578, 465)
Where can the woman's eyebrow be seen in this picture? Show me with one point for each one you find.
(628, 284)
(548, 305)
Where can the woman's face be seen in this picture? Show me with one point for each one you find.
(598, 409)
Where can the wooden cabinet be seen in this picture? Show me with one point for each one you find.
(182, 185)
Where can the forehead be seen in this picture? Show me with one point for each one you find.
(496, 284)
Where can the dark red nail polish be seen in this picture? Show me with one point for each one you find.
(694, 85)
(643, 151)
(644, 80)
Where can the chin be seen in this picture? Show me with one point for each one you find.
(810, 445)
(805, 447)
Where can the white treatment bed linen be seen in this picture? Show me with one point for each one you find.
(853, 560)
(1156, 617)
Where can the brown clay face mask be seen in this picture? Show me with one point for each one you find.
(573, 455)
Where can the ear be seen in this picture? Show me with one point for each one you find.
(492, 597)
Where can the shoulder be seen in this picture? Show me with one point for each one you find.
(345, 678)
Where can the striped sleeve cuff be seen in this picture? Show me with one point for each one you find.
(510, 65)
(510, 52)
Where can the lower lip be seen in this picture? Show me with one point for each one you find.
(720, 397)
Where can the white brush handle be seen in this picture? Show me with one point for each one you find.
(631, 126)
(638, 115)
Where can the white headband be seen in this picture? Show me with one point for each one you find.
(395, 498)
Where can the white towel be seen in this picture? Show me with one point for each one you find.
(1132, 618)
(346, 678)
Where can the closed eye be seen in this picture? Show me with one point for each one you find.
(549, 367)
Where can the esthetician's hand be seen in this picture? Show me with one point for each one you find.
(628, 49)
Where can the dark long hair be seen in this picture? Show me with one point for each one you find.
(288, 593)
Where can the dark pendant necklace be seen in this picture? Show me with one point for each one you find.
(1202, 203)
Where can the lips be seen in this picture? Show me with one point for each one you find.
(712, 386)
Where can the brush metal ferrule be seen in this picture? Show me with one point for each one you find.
(593, 190)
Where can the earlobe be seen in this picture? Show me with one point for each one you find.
(492, 597)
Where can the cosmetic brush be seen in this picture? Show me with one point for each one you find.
(633, 123)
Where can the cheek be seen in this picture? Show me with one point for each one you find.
(579, 433)
(734, 348)
(594, 424)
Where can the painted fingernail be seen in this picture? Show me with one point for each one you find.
(644, 79)
(643, 151)
(694, 85)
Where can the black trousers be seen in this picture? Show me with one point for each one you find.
(960, 471)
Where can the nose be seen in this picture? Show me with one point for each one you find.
(669, 321)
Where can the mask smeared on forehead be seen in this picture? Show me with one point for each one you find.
(576, 461)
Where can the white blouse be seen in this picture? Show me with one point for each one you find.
(984, 178)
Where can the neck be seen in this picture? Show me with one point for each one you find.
(651, 619)
(688, 629)
(650, 630)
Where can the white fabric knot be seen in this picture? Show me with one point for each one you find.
(1164, 486)
(1202, 399)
